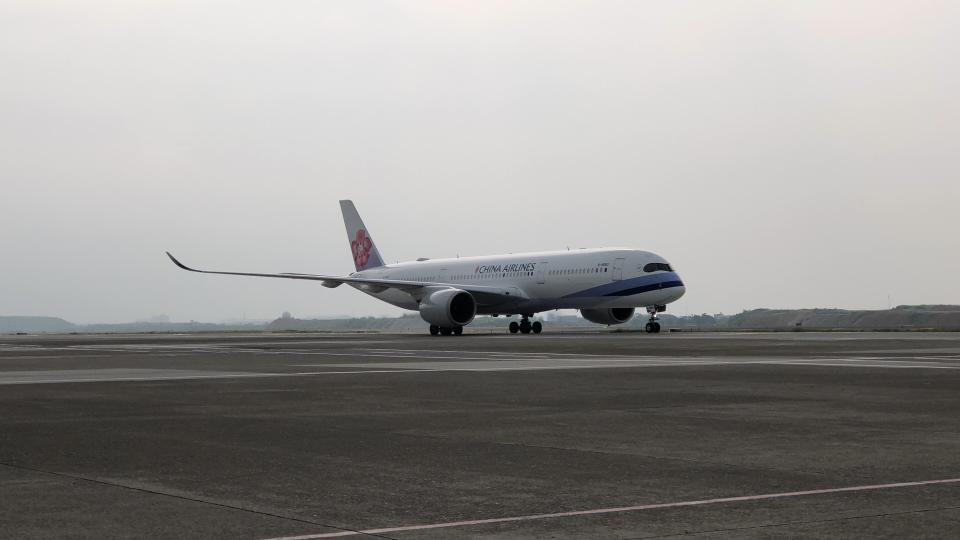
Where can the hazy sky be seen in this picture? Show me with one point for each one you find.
(780, 154)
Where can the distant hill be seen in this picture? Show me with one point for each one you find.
(14, 324)
(942, 317)
(56, 325)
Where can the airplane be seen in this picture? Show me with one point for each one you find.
(605, 284)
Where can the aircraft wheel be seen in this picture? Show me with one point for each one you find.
(514, 327)
(457, 330)
(525, 327)
(537, 327)
(649, 327)
(656, 328)
(446, 331)
(434, 330)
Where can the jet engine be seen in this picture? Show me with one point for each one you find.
(448, 308)
(608, 315)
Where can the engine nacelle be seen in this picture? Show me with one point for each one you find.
(617, 315)
(448, 308)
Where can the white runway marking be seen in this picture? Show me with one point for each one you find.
(132, 375)
(636, 508)
(112, 374)
(468, 363)
(450, 363)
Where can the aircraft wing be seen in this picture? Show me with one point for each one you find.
(484, 295)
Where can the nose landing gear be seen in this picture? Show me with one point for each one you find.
(653, 326)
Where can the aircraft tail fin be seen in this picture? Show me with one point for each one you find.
(364, 251)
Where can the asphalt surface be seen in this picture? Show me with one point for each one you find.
(551, 436)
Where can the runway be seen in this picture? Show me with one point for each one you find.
(592, 435)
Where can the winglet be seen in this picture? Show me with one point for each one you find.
(180, 264)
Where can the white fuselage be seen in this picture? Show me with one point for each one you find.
(576, 279)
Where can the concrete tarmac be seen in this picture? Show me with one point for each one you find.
(591, 435)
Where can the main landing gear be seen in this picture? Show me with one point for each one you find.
(525, 326)
(653, 327)
(445, 330)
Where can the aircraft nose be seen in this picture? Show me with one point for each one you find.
(680, 289)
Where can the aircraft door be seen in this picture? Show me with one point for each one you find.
(541, 272)
(442, 275)
(617, 269)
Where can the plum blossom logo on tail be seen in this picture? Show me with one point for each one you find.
(361, 247)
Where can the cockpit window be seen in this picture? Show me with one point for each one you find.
(654, 267)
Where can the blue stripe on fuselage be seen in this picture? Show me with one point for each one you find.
(628, 287)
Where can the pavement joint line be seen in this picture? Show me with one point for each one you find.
(351, 532)
(470, 351)
(423, 357)
(398, 370)
(884, 365)
(654, 506)
(609, 453)
(617, 362)
(325, 353)
(58, 356)
(226, 375)
(524, 368)
(798, 522)
(666, 363)
(888, 359)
